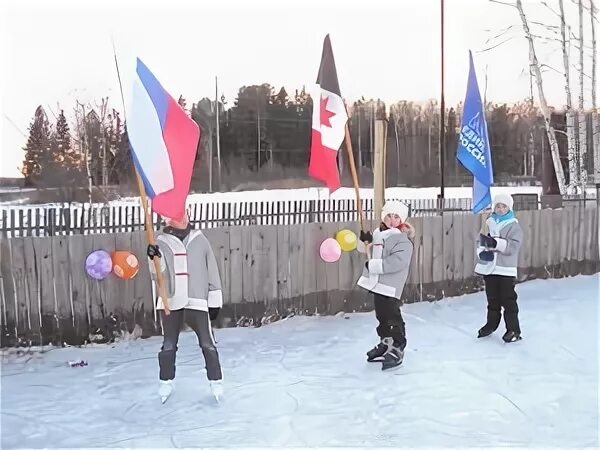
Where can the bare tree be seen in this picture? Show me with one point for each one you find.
(570, 118)
(581, 113)
(82, 141)
(535, 68)
(595, 118)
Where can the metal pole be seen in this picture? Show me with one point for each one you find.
(442, 114)
(217, 127)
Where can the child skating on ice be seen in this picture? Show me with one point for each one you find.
(384, 275)
(498, 254)
(193, 287)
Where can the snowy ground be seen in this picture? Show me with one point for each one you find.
(316, 193)
(304, 382)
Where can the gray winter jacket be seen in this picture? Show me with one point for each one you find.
(388, 267)
(509, 236)
(190, 272)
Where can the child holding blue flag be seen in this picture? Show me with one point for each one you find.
(498, 255)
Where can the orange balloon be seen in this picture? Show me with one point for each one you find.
(125, 264)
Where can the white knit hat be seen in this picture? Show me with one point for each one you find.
(395, 207)
(503, 198)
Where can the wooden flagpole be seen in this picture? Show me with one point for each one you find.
(147, 218)
(348, 144)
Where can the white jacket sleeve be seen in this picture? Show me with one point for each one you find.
(215, 294)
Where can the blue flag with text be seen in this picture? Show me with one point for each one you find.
(474, 145)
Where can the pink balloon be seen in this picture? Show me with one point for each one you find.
(330, 250)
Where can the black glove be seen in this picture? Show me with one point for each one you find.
(487, 241)
(486, 256)
(213, 313)
(366, 236)
(153, 251)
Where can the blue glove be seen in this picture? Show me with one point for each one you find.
(487, 241)
(486, 256)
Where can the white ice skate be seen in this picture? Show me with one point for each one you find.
(165, 389)
(216, 387)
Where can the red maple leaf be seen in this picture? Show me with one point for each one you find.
(325, 113)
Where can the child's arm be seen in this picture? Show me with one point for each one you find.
(397, 261)
(512, 243)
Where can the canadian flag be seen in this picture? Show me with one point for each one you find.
(329, 119)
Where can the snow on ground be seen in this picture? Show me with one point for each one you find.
(323, 194)
(305, 382)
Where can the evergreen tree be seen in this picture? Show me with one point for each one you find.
(37, 151)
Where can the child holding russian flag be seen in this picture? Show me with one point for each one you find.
(193, 284)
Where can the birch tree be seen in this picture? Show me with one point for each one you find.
(582, 154)
(570, 118)
(595, 118)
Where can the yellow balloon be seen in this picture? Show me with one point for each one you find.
(347, 240)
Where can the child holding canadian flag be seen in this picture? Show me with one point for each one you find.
(391, 248)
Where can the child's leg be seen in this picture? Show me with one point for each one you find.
(171, 326)
(380, 314)
(391, 323)
(397, 327)
(199, 321)
(493, 292)
(509, 301)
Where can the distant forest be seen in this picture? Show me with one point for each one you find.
(265, 139)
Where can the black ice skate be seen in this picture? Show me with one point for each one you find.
(511, 336)
(392, 358)
(377, 352)
(484, 332)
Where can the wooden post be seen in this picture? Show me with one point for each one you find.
(379, 166)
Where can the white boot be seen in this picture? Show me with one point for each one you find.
(165, 389)
(216, 387)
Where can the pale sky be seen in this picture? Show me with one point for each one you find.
(56, 51)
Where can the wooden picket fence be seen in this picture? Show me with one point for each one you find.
(46, 294)
(71, 219)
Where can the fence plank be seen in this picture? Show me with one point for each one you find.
(284, 274)
(438, 272)
(19, 274)
(32, 282)
(312, 242)
(236, 258)
(79, 249)
(460, 246)
(219, 241)
(297, 248)
(7, 289)
(449, 237)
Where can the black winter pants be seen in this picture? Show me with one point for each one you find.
(500, 291)
(391, 324)
(198, 321)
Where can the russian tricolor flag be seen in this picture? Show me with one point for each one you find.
(163, 142)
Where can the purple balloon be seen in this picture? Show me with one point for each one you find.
(98, 264)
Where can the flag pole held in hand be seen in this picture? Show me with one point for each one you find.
(330, 129)
(163, 142)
